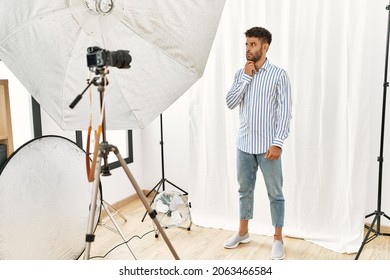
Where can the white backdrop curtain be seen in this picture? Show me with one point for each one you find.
(334, 53)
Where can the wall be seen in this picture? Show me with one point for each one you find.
(147, 157)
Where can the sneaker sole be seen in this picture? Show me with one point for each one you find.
(275, 258)
(236, 245)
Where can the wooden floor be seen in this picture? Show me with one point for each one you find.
(201, 243)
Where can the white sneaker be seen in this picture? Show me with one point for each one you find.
(236, 239)
(277, 250)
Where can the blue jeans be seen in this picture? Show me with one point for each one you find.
(247, 166)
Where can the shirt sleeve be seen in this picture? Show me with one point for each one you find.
(237, 91)
(284, 111)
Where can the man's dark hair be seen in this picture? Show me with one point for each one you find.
(261, 33)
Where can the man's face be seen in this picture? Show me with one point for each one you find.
(254, 49)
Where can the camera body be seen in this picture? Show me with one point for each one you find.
(100, 58)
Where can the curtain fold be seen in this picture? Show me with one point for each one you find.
(329, 51)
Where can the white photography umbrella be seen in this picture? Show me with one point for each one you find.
(44, 43)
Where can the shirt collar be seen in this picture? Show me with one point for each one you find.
(265, 65)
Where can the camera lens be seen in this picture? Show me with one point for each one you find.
(119, 59)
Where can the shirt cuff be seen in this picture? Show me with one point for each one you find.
(278, 142)
(246, 78)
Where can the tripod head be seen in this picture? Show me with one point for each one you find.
(100, 81)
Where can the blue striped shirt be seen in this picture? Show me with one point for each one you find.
(265, 108)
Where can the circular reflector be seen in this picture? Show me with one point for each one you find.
(44, 201)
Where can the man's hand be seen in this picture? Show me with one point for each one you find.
(249, 68)
(273, 153)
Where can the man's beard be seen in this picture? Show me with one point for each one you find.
(255, 57)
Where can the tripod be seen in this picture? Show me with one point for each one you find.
(103, 151)
(378, 213)
(157, 187)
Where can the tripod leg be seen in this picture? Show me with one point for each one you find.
(157, 186)
(184, 192)
(157, 190)
(386, 216)
(90, 237)
(118, 230)
(141, 195)
(366, 238)
(109, 208)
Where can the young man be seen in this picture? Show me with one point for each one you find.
(262, 91)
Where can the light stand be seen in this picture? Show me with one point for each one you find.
(157, 187)
(104, 149)
(379, 213)
(109, 208)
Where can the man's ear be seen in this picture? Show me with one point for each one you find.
(265, 47)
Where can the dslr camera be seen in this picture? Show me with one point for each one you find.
(100, 58)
